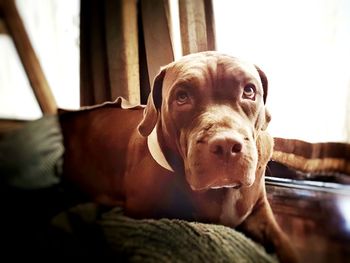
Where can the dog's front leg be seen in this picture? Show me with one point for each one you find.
(261, 226)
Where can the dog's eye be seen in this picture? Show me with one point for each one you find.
(182, 97)
(249, 92)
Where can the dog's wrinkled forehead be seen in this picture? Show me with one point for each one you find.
(210, 67)
(204, 78)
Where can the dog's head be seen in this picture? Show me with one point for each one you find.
(210, 108)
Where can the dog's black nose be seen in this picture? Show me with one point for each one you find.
(237, 147)
(225, 145)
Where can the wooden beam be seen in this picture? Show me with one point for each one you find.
(28, 57)
(196, 25)
(159, 51)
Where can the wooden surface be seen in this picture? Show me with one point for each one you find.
(317, 219)
(326, 157)
(16, 29)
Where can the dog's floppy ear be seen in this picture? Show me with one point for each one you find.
(154, 102)
(267, 120)
(263, 120)
(263, 78)
(263, 81)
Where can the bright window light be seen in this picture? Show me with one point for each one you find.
(303, 47)
(17, 100)
(53, 28)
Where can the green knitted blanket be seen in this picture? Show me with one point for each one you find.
(30, 162)
(130, 240)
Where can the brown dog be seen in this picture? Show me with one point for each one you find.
(198, 152)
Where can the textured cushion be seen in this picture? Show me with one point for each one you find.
(163, 240)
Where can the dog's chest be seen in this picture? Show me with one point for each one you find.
(232, 213)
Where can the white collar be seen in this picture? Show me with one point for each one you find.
(156, 151)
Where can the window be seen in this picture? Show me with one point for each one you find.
(53, 28)
(16, 96)
(303, 47)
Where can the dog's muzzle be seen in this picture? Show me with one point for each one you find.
(221, 154)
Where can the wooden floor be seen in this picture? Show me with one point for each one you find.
(315, 216)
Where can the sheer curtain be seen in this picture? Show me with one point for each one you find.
(303, 47)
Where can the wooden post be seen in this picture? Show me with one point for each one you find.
(28, 57)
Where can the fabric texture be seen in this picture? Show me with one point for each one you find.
(43, 218)
(163, 240)
(326, 158)
(31, 157)
(109, 61)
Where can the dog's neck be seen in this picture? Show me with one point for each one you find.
(156, 151)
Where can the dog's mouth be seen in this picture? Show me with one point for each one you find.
(212, 179)
(229, 186)
(216, 186)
